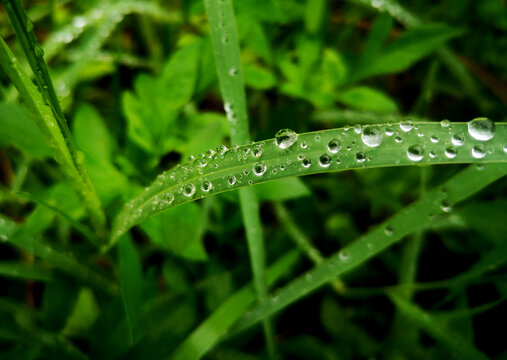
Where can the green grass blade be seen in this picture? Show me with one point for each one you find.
(221, 171)
(408, 220)
(454, 341)
(226, 49)
(45, 119)
(24, 271)
(217, 324)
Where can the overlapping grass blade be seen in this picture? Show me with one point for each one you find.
(226, 49)
(408, 220)
(217, 324)
(45, 119)
(221, 170)
(425, 321)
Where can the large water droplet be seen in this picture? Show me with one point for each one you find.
(458, 139)
(482, 129)
(334, 146)
(450, 152)
(406, 126)
(206, 186)
(371, 136)
(169, 198)
(478, 151)
(257, 151)
(259, 168)
(325, 160)
(434, 139)
(189, 190)
(285, 138)
(415, 153)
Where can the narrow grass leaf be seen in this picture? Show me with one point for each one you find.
(318, 152)
(456, 344)
(25, 271)
(217, 324)
(408, 220)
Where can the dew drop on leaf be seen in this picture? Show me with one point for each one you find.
(306, 163)
(478, 151)
(406, 126)
(189, 190)
(325, 160)
(357, 129)
(445, 123)
(415, 153)
(334, 146)
(304, 145)
(458, 139)
(259, 168)
(360, 157)
(450, 152)
(232, 180)
(344, 255)
(371, 136)
(389, 230)
(434, 139)
(446, 206)
(206, 186)
(233, 71)
(482, 129)
(285, 138)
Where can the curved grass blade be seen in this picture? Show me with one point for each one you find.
(317, 152)
(408, 220)
(45, 119)
(217, 324)
(19, 270)
(438, 331)
(226, 49)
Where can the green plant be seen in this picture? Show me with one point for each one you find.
(118, 265)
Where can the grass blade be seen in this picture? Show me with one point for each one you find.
(226, 49)
(438, 331)
(223, 170)
(45, 119)
(217, 324)
(408, 220)
(25, 271)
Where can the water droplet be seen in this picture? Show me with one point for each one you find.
(360, 157)
(301, 157)
(257, 151)
(3, 238)
(432, 154)
(285, 138)
(169, 198)
(478, 151)
(450, 152)
(398, 139)
(406, 126)
(371, 136)
(232, 180)
(221, 149)
(206, 186)
(317, 138)
(458, 139)
(445, 123)
(306, 163)
(344, 255)
(415, 153)
(303, 145)
(504, 148)
(389, 230)
(479, 167)
(446, 206)
(282, 167)
(225, 39)
(325, 160)
(189, 190)
(233, 71)
(482, 129)
(357, 128)
(334, 146)
(434, 139)
(259, 168)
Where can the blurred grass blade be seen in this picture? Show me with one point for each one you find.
(211, 330)
(45, 119)
(131, 284)
(230, 75)
(241, 166)
(25, 271)
(454, 341)
(406, 221)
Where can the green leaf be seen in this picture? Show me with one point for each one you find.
(18, 129)
(91, 133)
(455, 343)
(224, 171)
(178, 231)
(84, 314)
(366, 98)
(282, 189)
(410, 47)
(258, 77)
(25, 271)
(131, 284)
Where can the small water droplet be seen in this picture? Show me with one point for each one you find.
(189, 190)
(285, 138)
(398, 139)
(206, 186)
(406, 126)
(306, 163)
(415, 153)
(360, 157)
(303, 145)
(482, 129)
(432, 154)
(334, 146)
(257, 151)
(259, 168)
(325, 160)
(389, 131)
(221, 149)
(344, 255)
(169, 198)
(357, 128)
(434, 139)
(389, 230)
(225, 39)
(458, 139)
(450, 152)
(371, 136)
(446, 206)
(445, 123)
(478, 151)
(232, 180)
(317, 138)
(233, 71)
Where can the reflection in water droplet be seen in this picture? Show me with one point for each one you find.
(371, 136)
(478, 151)
(450, 152)
(415, 153)
(325, 160)
(285, 138)
(334, 146)
(482, 129)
